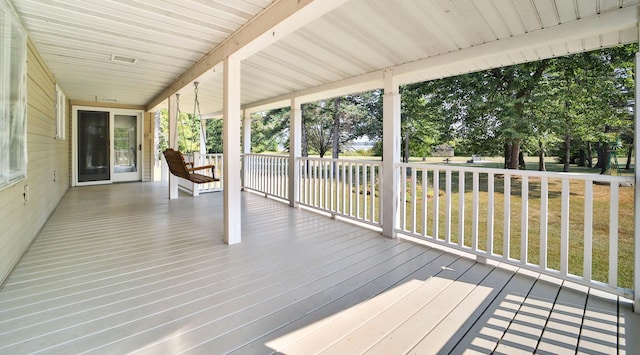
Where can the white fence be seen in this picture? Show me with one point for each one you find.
(347, 188)
(547, 222)
(268, 174)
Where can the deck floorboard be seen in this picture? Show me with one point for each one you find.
(122, 269)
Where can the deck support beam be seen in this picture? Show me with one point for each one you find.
(231, 148)
(295, 149)
(173, 142)
(391, 153)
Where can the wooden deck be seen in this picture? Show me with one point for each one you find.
(122, 269)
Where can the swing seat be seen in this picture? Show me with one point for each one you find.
(180, 168)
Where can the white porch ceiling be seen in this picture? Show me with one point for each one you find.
(342, 51)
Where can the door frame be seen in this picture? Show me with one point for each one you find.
(112, 112)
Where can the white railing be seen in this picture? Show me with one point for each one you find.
(201, 160)
(267, 174)
(547, 222)
(347, 188)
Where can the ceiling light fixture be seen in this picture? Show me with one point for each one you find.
(123, 59)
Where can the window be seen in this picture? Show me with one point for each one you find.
(61, 109)
(13, 142)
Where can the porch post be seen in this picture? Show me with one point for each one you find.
(391, 153)
(295, 149)
(246, 143)
(173, 141)
(231, 150)
(636, 210)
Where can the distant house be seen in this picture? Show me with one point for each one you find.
(443, 150)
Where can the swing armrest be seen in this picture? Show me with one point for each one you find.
(212, 167)
(201, 168)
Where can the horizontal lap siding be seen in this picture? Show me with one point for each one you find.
(21, 221)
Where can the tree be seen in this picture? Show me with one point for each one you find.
(188, 131)
(270, 130)
(214, 136)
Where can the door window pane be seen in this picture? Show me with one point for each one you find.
(93, 146)
(125, 133)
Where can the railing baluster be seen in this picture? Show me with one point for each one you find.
(344, 183)
(403, 204)
(332, 183)
(544, 220)
(357, 189)
(373, 192)
(447, 211)
(351, 189)
(490, 211)
(506, 237)
(613, 234)
(564, 229)
(474, 211)
(436, 203)
(425, 198)
(461, 177)
(524, 221)
(588, 230)
(364, 191)
(414, 204)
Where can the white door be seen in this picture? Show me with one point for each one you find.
(108, 145)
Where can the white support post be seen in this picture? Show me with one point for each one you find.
(231, 149)
(173, 142)
(391, 153)
(246, 144)
(295, 149)
(636, 247)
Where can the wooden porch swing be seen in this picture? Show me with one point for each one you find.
(180, 168)
(186, 170)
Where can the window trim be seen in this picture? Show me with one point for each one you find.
(61, 110)
(13, 120)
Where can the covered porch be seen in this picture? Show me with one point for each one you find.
(120, 268)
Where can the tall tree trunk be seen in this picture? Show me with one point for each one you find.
(507, 155)
(406, 147)
(606, 155)
(589, 157)
(600, 155)
(541, 166)
(567, 152)
(629, 152)
(581, 157)
(303, 140)
(335, 139)
(514, 162)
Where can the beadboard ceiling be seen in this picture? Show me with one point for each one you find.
(342, 50)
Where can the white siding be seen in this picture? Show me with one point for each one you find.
(21, 221)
